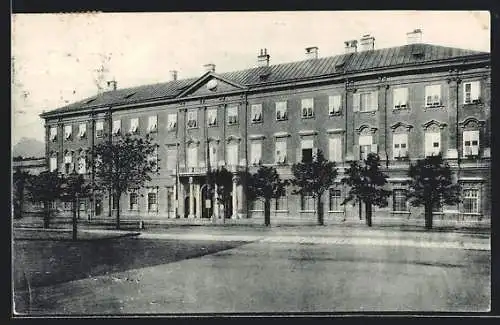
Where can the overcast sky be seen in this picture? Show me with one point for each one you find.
(55, 55)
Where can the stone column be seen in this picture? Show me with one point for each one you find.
(216, 203)
(241, 208)
(174, 196)
(180, 200)
(191, 198)
(197, 193)
(235, 197)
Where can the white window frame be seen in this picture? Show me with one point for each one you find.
(192, 119)
(365, 141)
(134, 125)
(366, 101)
(335, 149)
(433, 96)
(281, 111)
(399, 145)
(473, 94)
(400, 98)
(99, 129)
(68, 131)
(256, 111)
(432, 137)
(232, 154)
(334, 104)
(338, 199)
(307, 203)
(256, 153)
(280, 156)
(117, 126)
(133, 206)
(307, 107)
(82, 130)
(53, 133)
(171, 121)
(212, 117)
(152, 123)
(467, 195)
(152, 207)
(468, 139)
(232, 115)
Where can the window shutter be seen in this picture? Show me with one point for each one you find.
(374, 100)
(355, 102)
(374, 148)
(299, 155)
(356, 152)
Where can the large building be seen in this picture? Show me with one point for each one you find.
(404, 103)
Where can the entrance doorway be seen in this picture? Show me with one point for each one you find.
(207, 204)
(228, 207)
(186, 206)
(98, 207)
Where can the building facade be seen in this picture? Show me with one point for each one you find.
(403, 103)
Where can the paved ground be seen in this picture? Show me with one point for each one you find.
(287, 271)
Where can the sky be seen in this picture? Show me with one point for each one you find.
(55, 56)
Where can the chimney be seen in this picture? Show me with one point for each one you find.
(414, 37)
(111, 85)
(173, 74)
(367, 43)
(312, 52)
(263, 58)
(210, 67)
(351, 46)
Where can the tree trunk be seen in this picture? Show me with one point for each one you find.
(319, 211)
(110, 203)
(46, 214)
(21, 202)
(368, 214)
(360, 210)
(118, 196)
(75, 221)
(428, 216)
(267, 212)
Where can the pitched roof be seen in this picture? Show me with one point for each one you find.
(346, 63)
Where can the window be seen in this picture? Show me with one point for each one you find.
(400, 145)
(134, 125)
(152, 201)
(152, 123)
(212, 151)
(232, 154)
(53, 164)
(307, 107)
(99, 129)
(471, 201)
(82, 130)
(257, 205)
(68, 162)
(399, 200)
(133, 200)
(232, 115)
(153, 158)
(306, 147)
(192, 120)
(256, 113)
(281, 202)
(171, 159)
(335, 149)
(281, 111)
(256, 153)
(192, 157)
(433, 95)
(170, 201)
(280, 153)
(471, 143)
(334, 104)
(335, 200)
(306, 202)
(212, 117)
(432, 143)
(365, 146)
(365, 102)
(437, 207)
(82, 165)
(171, 122)
(53, 133)
(117, 126)
(471, 92)
(68, 130)
(400, 98)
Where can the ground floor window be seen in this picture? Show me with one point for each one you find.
(281, 203)
(335, 200)
(170, 200)
(152, 201)
(83, 205)
(306, 202)
(471, 201)
(133, 200)
(399, 200)
(257, 205)
(67, 205)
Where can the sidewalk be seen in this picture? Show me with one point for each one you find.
(324, 235)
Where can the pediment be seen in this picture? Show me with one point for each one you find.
(210, 84)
